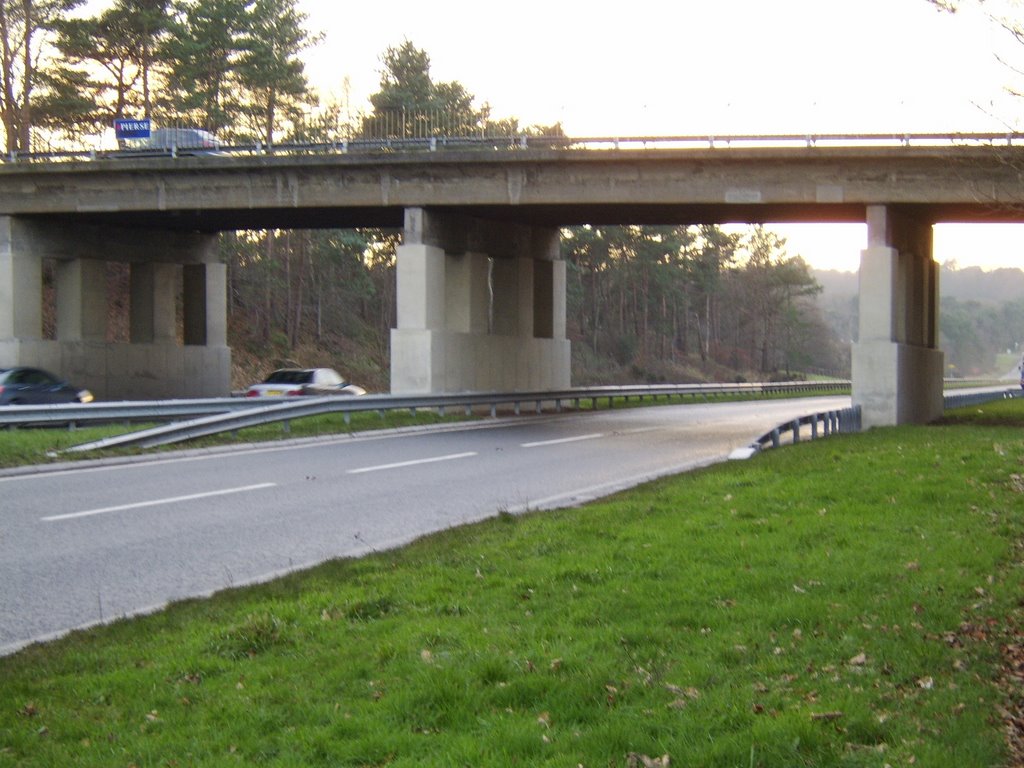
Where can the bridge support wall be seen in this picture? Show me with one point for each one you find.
(164, 356)
(481, 306)
(897, 365)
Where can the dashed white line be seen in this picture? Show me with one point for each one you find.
(156, 502)
(576, 439)
(414, 462)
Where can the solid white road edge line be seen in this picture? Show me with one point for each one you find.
(414, 462)
(156, 502)
(576, 439)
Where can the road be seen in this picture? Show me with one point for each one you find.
(100, 541)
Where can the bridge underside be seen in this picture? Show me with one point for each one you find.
(544, 215)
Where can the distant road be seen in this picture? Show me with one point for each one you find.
(97, 542)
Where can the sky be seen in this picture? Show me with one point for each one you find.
(706, 67)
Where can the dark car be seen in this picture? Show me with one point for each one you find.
(33, 386)
(304, 381)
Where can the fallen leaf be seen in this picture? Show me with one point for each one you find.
(859, 660)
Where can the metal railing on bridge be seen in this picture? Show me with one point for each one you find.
(414, 141)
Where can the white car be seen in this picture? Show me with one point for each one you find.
(303, 381)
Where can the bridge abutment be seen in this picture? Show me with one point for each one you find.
(481, 306)
(897, 365)
(164, 355)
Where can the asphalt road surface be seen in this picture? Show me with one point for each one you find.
(93, 543)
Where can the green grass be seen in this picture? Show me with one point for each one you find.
(840, 603)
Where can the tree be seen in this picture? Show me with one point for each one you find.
(410, 104)
(767, 291)
(270, 73)
(202, 51)
(24, 25)
(109, 59)
(713, 251)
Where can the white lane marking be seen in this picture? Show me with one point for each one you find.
(156, 502)
(414, 462)
(230, 452)
(576, 439)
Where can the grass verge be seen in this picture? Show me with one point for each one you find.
(840, 603)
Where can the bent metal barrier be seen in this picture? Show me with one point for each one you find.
(232, 414)
(848, 420)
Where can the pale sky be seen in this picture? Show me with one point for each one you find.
(706, 67)
(700, 67)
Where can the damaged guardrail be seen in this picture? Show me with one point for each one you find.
(814, 426)
(848, 420)
(260, 412)
(77, 414)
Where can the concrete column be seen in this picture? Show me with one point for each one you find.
(558, 299)
(21, 290)
(481, 306)
(506, 297)
(524, 296)
(420, 289)
(543, 300)
(205, 304)
(897, 366)
(81, 300)
(467, 293)
(153, 293)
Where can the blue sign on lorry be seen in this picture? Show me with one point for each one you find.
(132, 129)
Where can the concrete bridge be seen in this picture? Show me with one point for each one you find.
(481, 287)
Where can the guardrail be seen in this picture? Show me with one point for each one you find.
(821, 424)
(977, 398)
(74, 415)
(521, 142)
(256, 411)
(848, 420)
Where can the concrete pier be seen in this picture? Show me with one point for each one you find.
(481, 306)
(164, 357)
(897, 365)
